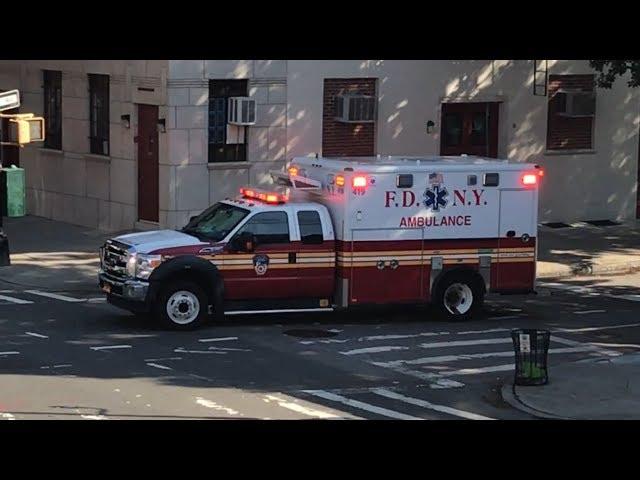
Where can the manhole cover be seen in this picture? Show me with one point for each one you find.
(602, 223)
(310, 333)
(556, 225)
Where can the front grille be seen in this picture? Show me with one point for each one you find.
(114, 259)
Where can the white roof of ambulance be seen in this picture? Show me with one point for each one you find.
(383, 164)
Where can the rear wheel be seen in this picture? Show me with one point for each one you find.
(459, 296)
(182, 305)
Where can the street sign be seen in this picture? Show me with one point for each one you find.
(9, 100)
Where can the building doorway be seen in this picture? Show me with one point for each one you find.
(469, 128)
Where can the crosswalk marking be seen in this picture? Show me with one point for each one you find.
(471, 356)
(17, 301)
(311, 412)
(358, 351)
(55, 296)
(361, 405)
(432, 406)
(462, 343)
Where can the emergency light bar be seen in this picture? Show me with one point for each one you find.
(263, 195)
(530, 179)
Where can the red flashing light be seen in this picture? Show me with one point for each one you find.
(268, 197)
(359, 182)
(529, 179)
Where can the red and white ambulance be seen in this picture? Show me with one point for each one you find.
(339, 232)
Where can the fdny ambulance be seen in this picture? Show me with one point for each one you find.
(340, 232)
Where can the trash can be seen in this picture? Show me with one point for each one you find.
(531, 350)
(13, 188)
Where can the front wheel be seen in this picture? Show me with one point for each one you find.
(182, 305)
(459, 296)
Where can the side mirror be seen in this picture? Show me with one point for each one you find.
(245, 242)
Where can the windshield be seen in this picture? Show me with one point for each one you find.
(216, 222)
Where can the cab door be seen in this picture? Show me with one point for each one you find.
(270, 271)
(315, 254)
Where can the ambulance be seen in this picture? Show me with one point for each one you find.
(334, 233)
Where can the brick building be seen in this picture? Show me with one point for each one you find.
(146, 142)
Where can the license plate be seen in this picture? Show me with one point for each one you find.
(106, 288)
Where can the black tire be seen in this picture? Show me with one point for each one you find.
(468, 284)
(199, 310)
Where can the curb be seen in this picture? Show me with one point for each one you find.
(512, 399)
(577, 270)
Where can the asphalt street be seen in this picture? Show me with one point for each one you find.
(72, 356)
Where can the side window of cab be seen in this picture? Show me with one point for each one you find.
(268, 227)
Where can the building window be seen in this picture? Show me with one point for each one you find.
(99, 114)
(340, 138)
(53, 109)
(221, 147)
(570, 120)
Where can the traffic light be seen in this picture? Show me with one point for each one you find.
(26, 129)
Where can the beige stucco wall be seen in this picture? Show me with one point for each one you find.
(73, 185)
(102, 191)
(599, 184)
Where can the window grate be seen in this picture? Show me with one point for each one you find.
(219, 93)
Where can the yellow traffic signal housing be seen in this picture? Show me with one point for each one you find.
(26, 129)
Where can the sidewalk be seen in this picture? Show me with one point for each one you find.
(597, 389)
(588, 250)
(51, 255)
(47, 254)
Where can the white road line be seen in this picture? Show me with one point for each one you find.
(56, 296)
(32, 334)
(491, 330)
(461, 343)
(229, 349)
(584, 312)
(160, 359)
(94, 417)
(329, 340)
(96, 300)
(361, 405)
(7, 416)
(182, 350)
(399, 337)
(476, 371)
(632, 297)
(220, 339)
(387, 348)
(432, 406)
(15, 300)
(209, 404)
(471, 356)
(295, 407)
(595, 329)
(162, 367)
(573, 343)
(110, 347)
(9, 353)
(64, 365)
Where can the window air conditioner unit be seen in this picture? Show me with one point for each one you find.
(576, 103)
(242, 111)
(350, 108)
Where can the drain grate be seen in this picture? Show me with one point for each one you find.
(556, 225)
(310, 333)
(602, 223)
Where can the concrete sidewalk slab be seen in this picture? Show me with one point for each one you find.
(51, 255)
(595, 389)
(588, 250)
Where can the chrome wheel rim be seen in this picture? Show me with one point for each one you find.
(183, 307)
(458, 298)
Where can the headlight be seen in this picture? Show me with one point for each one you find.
(131, 265)
(145, 264)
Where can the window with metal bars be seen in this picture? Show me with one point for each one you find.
(99, 114)
(221, 148)
(53, 109)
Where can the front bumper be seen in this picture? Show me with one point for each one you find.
(133, 295)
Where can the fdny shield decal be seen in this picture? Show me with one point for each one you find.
(261, 264)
